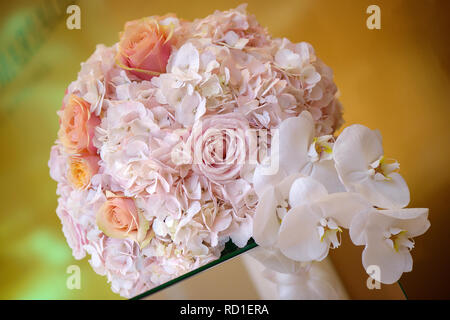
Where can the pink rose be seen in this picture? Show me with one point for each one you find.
(77, 126)
(74, 233)
(119, 218)
(81, 170)
(220, 145)
(144, 48)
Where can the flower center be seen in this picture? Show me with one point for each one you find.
(382, 168)
(78, 173)
(282, 208)
(329, 230)
(397, 238)
(321, 148)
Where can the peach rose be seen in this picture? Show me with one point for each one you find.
(81, 170)
(144, 48)
(77, 126)
(120, 218)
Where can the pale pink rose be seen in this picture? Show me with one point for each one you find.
(81, 170)
(119, 218)
(74, 232)
(144, 48)
(220, 146)
(77, 126)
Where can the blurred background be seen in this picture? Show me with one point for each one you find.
(395, 79)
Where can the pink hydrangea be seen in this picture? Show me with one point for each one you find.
(175, 133)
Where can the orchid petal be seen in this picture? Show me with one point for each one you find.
(391, 263)
(414, 220)
(305, 245)
(389, 194)
(355, 148)
(342, 207)
(325, 172)
(297, 134)
(265, 220)
(358, 227)
(262, 181)
(306, 190)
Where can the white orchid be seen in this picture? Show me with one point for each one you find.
(302, 220)
(387, 236)
(363, 168)
(319, 216)
(272, 207)
(299, 151)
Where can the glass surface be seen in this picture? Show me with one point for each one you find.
(236, 275)
(230, 251)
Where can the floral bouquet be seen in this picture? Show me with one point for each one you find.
(186, 135)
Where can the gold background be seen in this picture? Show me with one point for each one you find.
(395, 79)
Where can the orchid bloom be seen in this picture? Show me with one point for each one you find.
(299, 151)
(303, 203)
(272, 207)
(363, 168)
(319, 216)
(387, 235)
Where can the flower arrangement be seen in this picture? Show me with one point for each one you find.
(185, 135)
